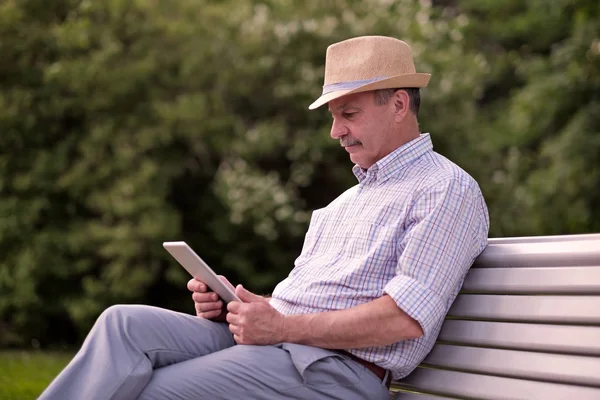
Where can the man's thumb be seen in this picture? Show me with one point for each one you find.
(246, 296)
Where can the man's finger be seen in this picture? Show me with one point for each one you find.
(247, 296)
(234, 307)
(190, 285)
(194, 285)
(232, 318)
(238, 339)
(234, 329)
(209, 314)
(205, 307)
(204, 297)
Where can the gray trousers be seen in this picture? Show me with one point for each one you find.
(151, 353)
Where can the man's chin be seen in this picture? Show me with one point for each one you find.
(360, 161)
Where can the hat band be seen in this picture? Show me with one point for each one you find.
(350, 85)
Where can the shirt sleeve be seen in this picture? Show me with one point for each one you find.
(446, 228)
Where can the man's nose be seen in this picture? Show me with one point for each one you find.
(338, 129)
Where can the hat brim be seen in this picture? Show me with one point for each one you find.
(399, 81)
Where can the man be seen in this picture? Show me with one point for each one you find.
(378, 271)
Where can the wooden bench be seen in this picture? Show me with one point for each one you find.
(525, 326)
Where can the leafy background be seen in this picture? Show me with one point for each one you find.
(124, 124)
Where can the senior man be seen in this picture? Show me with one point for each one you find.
(364, 303)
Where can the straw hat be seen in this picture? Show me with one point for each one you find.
(368, 63)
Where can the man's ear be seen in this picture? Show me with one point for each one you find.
(401, 105)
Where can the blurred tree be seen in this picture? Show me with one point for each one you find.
(538, 122)
(128, 123)
(86, 167)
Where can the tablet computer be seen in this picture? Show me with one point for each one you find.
(199, 269)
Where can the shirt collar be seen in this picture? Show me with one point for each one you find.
(394, 162)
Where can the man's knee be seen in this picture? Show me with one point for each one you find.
(123, 318)
(119, 312)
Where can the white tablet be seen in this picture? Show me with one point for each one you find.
(199, 269)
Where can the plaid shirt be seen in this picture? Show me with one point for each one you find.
(411, 229)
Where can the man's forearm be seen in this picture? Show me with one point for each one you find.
(377, 323)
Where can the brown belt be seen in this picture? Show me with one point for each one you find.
(376, 369)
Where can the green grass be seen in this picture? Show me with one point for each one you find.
(25, 374)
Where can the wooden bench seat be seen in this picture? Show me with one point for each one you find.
(526, 325)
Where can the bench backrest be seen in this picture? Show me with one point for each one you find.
(525, 326)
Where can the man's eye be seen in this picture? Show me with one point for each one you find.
(349, 114)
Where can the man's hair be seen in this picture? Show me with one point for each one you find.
(382, 96)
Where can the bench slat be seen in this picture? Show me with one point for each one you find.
(526, 325)
(568, 253)
(554, 309)
(551, 338)
(553, 280)
(559, 368)
(556, 239)
(462, 384)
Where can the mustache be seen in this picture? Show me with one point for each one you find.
(349, 141)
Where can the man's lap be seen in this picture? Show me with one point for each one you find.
(265, 372)
(193, 358)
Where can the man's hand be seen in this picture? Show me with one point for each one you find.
(207, 303)
(254, 321)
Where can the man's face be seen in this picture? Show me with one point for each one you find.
(363, 128)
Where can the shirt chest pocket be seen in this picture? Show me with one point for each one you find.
(364, 239)
(328, 237)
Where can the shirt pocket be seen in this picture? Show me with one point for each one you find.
(364, 239)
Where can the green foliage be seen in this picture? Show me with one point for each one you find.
(539, 115)
(128, 123)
